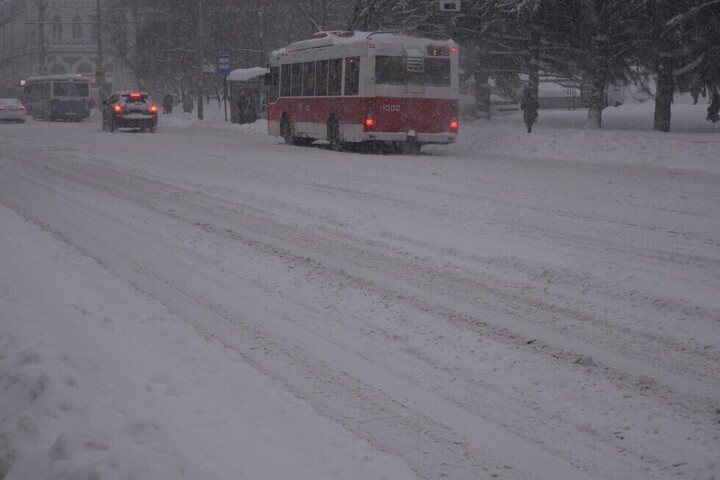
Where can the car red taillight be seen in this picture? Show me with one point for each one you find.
(2, 108)
(117, 108)
(21, 107)
(153, 108)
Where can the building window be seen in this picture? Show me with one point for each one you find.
(77, 32)
(57, 32)
(84, 68)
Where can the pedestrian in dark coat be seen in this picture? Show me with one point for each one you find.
(529, 105)
(247, 112)
(167, 103)
(187, 103)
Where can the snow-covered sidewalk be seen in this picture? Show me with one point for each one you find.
(99, 382)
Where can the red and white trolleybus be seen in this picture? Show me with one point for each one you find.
(381, 88)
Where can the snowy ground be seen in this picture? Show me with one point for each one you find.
(207, 302)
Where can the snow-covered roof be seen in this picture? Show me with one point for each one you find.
(335, 38)
(245, 74)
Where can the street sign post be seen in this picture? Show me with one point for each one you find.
(224, 70)
(223, 64)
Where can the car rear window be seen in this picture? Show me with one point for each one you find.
(9, 101)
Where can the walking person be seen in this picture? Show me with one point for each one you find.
(529, 105)
(188, 103)
(167, 103)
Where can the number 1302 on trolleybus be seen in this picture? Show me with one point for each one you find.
(380, 88)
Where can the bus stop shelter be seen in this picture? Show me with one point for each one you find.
(247, 94)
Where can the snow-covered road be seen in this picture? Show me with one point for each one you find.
(509, 307)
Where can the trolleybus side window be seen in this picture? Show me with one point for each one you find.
(335, 76)
(352, 75)
(286, 80)
(321, 78)
(296, 89)
(308, 79)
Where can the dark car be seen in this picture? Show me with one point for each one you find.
(129, 110)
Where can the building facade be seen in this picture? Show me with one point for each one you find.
(54, 37)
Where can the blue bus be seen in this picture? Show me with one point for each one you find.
(58, 97)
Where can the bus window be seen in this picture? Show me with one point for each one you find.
(40, 92)
(389, 70)
(71, 89)
(335, 76)
(321, 78)
(308, 79)
(274, 87)
(297, 72)
(437, 71)
(352, 75)
(286, 80)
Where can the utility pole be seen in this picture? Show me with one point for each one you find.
(99, 69)
(200, 32)
(42, 50)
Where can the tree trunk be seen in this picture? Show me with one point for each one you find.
(663, 99)
(599, 84)
(534, 73)
(597, 104)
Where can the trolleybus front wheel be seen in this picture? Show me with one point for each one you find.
(285, 131)
(333, 134)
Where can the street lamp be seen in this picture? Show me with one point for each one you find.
(200, 28)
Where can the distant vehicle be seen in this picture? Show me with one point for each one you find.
(129, 110)
(58, 97)
(379, 88)
(12, 110)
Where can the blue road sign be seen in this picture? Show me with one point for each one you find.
(224, 64)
